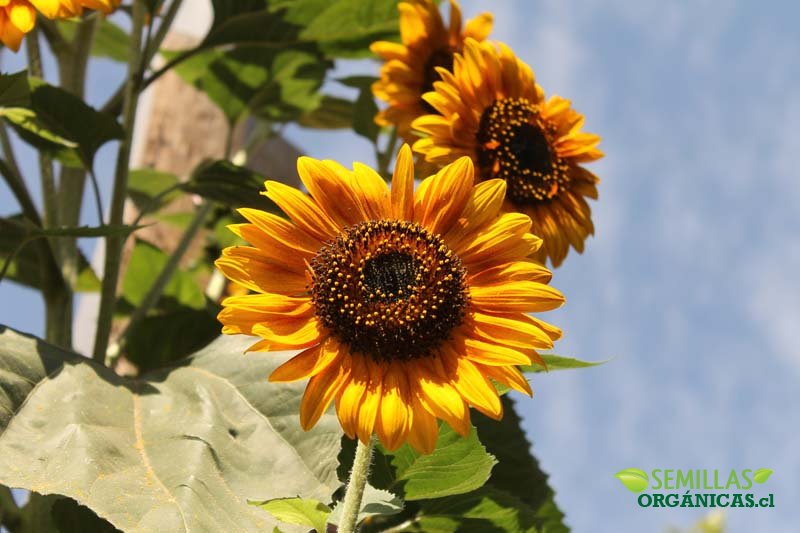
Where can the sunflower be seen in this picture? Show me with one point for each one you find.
(407, 305)
(410, 67)
(492, 110)
(18, 17)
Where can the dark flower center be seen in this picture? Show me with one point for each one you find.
(514, 143)
(389, 289)
(442, 57)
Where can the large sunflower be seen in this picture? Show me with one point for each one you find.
(406, 305)
(410, 67)
(492, 110)
(18, 17)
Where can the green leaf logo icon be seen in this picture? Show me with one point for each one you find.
(634, 479)
(761, 475)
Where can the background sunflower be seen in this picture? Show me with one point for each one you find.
(491, 109)
(410, 67)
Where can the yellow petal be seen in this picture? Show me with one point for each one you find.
(507, 375)
(282, 230)
(302, 211)
(331, 191)
(441, 399)
(403, 185)
(371, 401)
(348, 402)
(476, 389)
(479, 27)
(515, 271)
(308, 363)
(524, 296)
(375, 193)
(491, 353)
(424, 429)
(511, 330)
(290, 334)
(252, 269)
(22, 15)
(321, 390)
(440, 200)
(394, 417)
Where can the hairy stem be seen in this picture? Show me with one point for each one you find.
(355, 487)
(113, 259)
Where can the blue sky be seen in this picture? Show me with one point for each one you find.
(690, 283)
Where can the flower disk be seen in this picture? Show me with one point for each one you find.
(491, 109)
(389, 289)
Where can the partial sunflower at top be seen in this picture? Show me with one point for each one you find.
(491, 109)
(18, 17)
(410, 68)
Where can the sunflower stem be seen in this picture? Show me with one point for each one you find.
(355, 487)
(114, 243)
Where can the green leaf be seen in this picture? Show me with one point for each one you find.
(364, 115)
(146, 184)
(276, 84)
(14, 90)
(517, 471)
(229, 184)
(69, 515)
(63, 124)
(26, 266)
(177, 450)
(762, 475)
(376, 502)
(358, 82)
(297, 511)
(558, 362)
(333, 113)
(343, 28)
(163, 338)
(634, 479)
(484, 510)
(144, 266)
(110, 41)
(458, 465)
(251, 23)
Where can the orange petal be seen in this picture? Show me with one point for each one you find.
(332, 191)
(348, 402)
(394, 417)
(440, 200)
(524, 296)
(321, 390)
(371, 401)
(424, 429)
(303, 211)
(474, 387)
(403, 185)
(308, 363)
(250, 268)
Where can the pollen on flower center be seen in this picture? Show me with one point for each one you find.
(514, 144)
(442, 57)
(389, 289)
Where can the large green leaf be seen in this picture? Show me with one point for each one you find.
(59, 122)
(486, 510)
(457, 466)
(14, 90)
(229, 184)
(343, 28)
(178, 450)
(332, 113)
(144, 266)
(276, 84)
(518, 471)
(146, 187)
